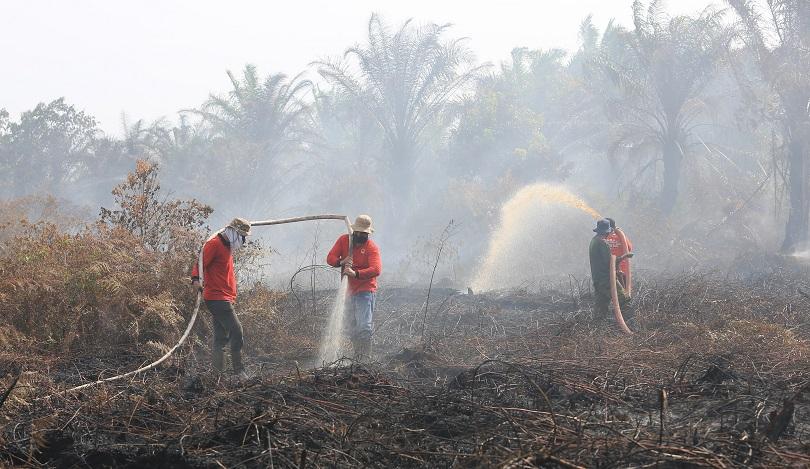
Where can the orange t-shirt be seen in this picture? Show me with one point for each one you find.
(219, 280)
(617, 249)
(366, 261)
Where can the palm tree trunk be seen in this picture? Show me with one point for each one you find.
(401, 179)
(796, 229)
(673, 157)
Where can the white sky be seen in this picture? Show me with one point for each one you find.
(152, 58)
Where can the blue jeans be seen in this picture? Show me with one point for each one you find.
(361, 313)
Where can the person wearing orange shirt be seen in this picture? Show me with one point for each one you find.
(362, 268)
(620, 245)
(219, 292)
(599, 253)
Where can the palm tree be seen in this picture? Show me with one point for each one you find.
(140, 139)
(184, 150)
(660, 71)
(264, 113)
(405, 80)
(255, 124)
(778, 34)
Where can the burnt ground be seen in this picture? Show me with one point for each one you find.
(716, 375)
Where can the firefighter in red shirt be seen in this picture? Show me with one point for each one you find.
(620, 245)
(362, 268)
(219, 291)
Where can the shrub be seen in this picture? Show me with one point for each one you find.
(121, 280)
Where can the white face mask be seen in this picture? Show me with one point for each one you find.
(236, 240)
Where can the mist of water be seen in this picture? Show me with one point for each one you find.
(535, 209)
(803, 255)
(332, 341)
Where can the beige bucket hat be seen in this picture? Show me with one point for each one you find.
(241, 226)
(363, 224)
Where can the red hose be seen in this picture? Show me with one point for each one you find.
(614, 297)
(629, 274)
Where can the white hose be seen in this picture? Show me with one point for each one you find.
(281, 221)
(199, 299)
(151, 365)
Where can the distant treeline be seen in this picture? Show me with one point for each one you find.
(693, 117)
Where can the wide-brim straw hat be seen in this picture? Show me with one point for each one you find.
(363, 224)
(241, 226)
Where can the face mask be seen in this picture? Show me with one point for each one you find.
(236, 240)
(359, 238)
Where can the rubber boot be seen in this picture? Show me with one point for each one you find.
(236, 361)
(217, 359)
(362, 349)
(356, 349)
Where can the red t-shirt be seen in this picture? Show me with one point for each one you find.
(617, 249)
(366, 261)
(219, 280)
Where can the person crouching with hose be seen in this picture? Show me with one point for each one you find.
(362, 268)
(600, 258)
(219, 292)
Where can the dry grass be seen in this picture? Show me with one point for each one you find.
(714, 377)
(120, 281)
(97, 287)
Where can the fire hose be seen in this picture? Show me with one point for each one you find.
(614, 297)
(197, 302)
(629, 274)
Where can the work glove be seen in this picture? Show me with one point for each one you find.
(347, 262)
(195, 284)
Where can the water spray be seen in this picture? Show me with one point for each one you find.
(512, 218)
(512, 225)
(332, 338)
(198, 300)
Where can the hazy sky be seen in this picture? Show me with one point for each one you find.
(152, 58)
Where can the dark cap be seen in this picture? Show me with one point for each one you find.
(602, 227)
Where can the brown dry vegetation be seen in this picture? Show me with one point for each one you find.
(119, 281)
(716, 375)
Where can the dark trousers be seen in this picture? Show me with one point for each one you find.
(602, 301)
(227, 330)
